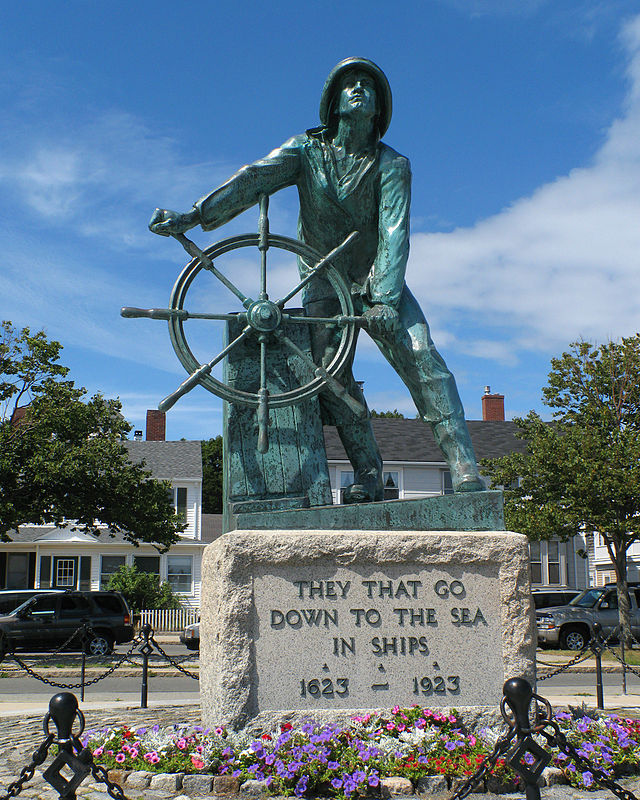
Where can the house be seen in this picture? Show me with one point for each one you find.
(44, 556)
(414, 467)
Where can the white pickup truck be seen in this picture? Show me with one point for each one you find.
(571, 625)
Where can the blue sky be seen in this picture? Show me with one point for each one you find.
(521, 119)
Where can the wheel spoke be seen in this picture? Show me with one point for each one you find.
(263, 400)
(263, 243)
(195, 252)
(320, 372)
(339, 319)
(201, 372)
(176, 313)
(318, 268)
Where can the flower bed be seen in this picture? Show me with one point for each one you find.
(343, 760)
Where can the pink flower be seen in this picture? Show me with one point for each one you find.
(452, 719)
(98, 751)
(390, 726)
(218, 731)
(182, 744)
(472, 739)
(120, 758)
(199, 749)
(197, 763)
(395, 709)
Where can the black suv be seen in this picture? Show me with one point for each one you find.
(49, 620)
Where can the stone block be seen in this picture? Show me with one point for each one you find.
(253, 788)
(430, 784)
(139, 779)
(166, 782)
(119, 776)
(197, 784)
(395, 786)
(552, 776)
(225, 784)
(368, 619)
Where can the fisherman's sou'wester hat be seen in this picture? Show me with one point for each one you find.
(383, 90)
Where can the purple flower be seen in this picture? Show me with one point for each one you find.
(301, 786)
(336, 783)
(450, 746)
(373, 779)
(333, 765)
(587, 778)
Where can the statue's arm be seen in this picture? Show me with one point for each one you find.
(386, 278)
(277, 170)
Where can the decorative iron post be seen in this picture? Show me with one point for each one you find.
(146, 650)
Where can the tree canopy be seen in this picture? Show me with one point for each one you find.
(581, 472)
(63, 458)
(212, 476)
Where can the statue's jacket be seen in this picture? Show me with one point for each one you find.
(373, 198)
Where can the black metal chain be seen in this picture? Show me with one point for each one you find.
(625, 664)
(558, 739)
(27, 772)
(172, 661)
(501, 747)
(100, 677)
(583, 655)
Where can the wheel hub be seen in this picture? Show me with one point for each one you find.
(264, 316)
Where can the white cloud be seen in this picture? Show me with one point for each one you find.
(553, 267)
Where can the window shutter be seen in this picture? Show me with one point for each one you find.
(45, 572)
(85, 573)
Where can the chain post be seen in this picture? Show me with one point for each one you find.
(596, 644)
(146, 649)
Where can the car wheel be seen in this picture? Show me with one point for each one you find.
(193, 645)
(574, 638)
(100, 645)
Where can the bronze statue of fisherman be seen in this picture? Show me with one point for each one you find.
(348, 179)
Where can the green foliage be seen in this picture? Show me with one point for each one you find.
(142, 589)
(395, 414)
(582, 472)
(63, 458)
(212, 476)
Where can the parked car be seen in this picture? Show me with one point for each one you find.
(543, 598)
(571, 625)
(46, 622)
(10, 599)
(190, 636)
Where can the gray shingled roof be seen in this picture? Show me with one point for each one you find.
(411, 440)
(168, 460)
(211, 527)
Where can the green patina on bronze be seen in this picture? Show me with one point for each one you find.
(472, 511)
(350, 184)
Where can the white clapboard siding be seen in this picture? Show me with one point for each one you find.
(169, 619)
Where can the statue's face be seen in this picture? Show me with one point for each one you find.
(357, 94)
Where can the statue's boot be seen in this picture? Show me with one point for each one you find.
(362, 451)
(452, 437)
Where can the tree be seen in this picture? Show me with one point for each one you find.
(395, 414)
(582, 471)
(63, 458)
(142, 589)
(212, 476)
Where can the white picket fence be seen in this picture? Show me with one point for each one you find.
(169, 619)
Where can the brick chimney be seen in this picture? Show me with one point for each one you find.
(156, 425)
(492, 406)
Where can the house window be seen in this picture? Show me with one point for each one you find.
(109, 565)
(179, 572)
(553, 561)
(346, 479)
(391, 486)
(447, 484)
(149, 564)
(535, 559)
(181, 502)
(548, 563)
(65, 573)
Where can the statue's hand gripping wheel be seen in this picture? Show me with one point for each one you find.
(264, 322)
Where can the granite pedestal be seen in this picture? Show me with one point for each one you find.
(326, 623)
